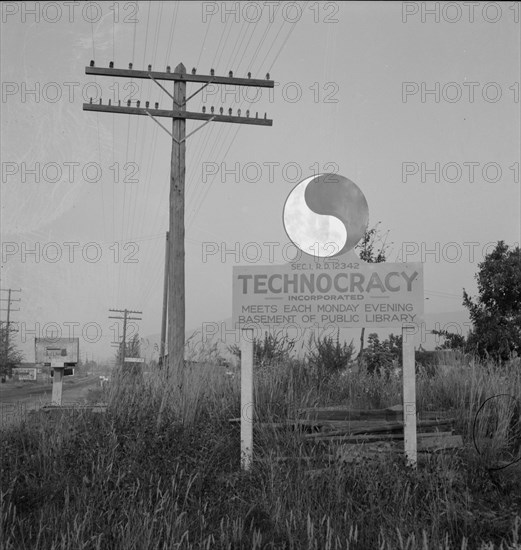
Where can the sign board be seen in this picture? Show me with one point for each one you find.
(134, 359)
(25, 373)
(344, 291)
(57, 351)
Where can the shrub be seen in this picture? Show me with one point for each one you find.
(380, 356)
(328, 356)
(272, 349)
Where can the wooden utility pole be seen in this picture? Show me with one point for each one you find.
(179, 114)
(8, 319)
(125, 318)
(176, 283)
(165, 303)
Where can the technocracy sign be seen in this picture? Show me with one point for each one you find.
(332, 292)
(327, 215)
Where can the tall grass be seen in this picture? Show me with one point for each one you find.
(160, 469)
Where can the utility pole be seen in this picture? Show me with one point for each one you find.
(8, 321)
(165, 304)
(125, 318)
(179, 115)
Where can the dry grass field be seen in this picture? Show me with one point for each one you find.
(161, 468)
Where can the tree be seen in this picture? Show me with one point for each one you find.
(496, 311)
(373, 249)
(10, 356)
(451, 340)
(380, 356)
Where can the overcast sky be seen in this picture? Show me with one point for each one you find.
(417, 103)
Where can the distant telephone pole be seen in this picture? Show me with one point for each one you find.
(125, 318)
(179, 115)
(165, 304)
(8, 320)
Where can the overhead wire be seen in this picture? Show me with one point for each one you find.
(259, 45)
(144, 181)
(100, 183)
(203, 142)
(225, 36)
(122, 210)
(201, 195)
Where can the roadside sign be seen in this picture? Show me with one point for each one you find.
(134, 359)
(342, 292)
(327, 215)
(64, 350)
(25, 373)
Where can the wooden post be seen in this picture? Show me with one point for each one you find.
(246, 398)
(165, 304)
(176, 283)
(124, 343)
(409, 395)
(57, 385)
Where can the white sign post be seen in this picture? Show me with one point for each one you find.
(246, 398)
(409, 395)
(57, 382)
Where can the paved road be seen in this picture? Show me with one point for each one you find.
(16, 400)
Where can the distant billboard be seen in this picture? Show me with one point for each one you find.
(25, 373)
(57, 352)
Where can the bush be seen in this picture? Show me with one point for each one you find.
(327, 356)
(273, 349)
(381, 356)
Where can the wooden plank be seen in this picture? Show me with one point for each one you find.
(335, 427)
(372, 437)
(186, 77)
(346, 413)
(439, 443)
(364, 427)
(352, 414)
(353, 452)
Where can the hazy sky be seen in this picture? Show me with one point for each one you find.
(417, 103)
